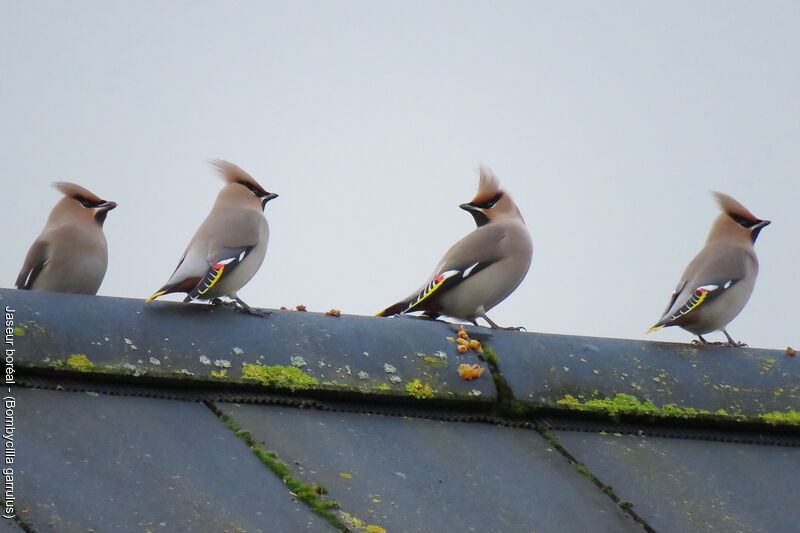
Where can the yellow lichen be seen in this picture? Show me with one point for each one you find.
(283, 377)
(419, 390)
(358, 525)
(79, 362)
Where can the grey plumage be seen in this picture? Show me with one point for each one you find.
(483, 268)
(71, 253)
(229, 246)
(718, 282)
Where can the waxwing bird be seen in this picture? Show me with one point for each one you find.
(229, 246)
(716, 285)
(481, 269)
(71, 254)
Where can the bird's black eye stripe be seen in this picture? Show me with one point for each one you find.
(253, 189)
(744, 222)
(85, 202)
(489, 203)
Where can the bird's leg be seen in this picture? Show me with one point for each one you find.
(701, 341)
(733, 342)
(218, 301)
(495, 326)
(244, 308)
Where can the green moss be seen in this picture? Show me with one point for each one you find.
(782, 418)
(625, 404)
(608, 490)
(434, 361)
(382, 387)
(19, 332)
(630, 405)
(221, 373)
(310, 494)
(283, 377)
(419, 390)
(79, 362)
(490, 356)
(509, 406)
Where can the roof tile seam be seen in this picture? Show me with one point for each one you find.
(625, 505)
(570, 423)
(310, 495)
(23, 523)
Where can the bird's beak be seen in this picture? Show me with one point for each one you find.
(106, 206)
(469, 207)
(756, 228)
(266, 198)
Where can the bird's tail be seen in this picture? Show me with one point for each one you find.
(395, 309)
(655, 328)
(156, 295)
(185, 285)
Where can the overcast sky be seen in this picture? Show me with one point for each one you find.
(608, 122)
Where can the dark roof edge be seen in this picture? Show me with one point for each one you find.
(396, 360)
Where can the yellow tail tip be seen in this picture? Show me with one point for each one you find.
(156, 295)
(654, 328)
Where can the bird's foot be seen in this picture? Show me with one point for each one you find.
(736, 344)
(244, 308)
(493, 325)
(703, 342)
(220, 302)
(262, 313)
(732, 342)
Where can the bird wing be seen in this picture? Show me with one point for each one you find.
(210, 246)
(475, 252)
(445, 281)
(480, 246)
(713, 272)
(35, 261)
(229, 259)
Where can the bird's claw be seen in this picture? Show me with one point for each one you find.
(220, 302)
(261, 313)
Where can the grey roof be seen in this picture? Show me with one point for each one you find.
(185, 417)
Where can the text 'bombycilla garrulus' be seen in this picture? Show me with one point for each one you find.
(481, 269)
(718, 282)
(71, 254)
(229, 246)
